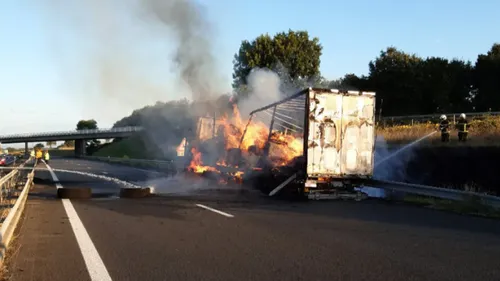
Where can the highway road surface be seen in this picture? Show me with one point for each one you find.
(238, 237)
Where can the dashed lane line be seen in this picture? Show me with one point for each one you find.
(95, 266)
(215, 211)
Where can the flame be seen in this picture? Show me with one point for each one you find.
(238, 176)
(256, 132)
(283, 147)
(196, 164)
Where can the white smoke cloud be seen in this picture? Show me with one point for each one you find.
(391, 164)
(264, 87)
(118, 55)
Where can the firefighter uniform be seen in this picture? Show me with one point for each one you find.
(47, 157)
(463, 128)
(444, 126)
(39, 154)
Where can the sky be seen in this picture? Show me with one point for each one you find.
(52, 54)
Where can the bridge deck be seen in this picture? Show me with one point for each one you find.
(71, 135)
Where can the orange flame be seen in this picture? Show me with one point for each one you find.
(196, 164)
(283, 147)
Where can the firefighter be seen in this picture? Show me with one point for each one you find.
(463, 128)
(444, 126)
(38, 155)
(47, 157)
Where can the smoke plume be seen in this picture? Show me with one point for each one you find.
(193, 54)
(128, 53)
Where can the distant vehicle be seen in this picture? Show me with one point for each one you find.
(7, 160)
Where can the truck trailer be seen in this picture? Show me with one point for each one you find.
(337, 134)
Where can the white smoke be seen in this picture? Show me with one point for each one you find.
(264, 87)
(182, 184)
(121, 54)
(389, 166)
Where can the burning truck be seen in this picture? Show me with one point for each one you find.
(317, 144)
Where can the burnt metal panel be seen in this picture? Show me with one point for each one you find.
(341, 134)
(324, 135)
(206, 129)
(358, 135)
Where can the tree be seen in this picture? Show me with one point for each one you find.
(51, 143)
(293, 55)
(90, 124)
(445, 85)
(487, 81)
(408, 84)
(394, 75)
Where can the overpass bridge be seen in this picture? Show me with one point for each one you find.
(79, 136)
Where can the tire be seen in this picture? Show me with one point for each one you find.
(134, 192)
(74, 193)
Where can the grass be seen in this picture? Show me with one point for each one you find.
(472, 206)
(5, 208)
(61, 152)
(482, 132)
(133, 147)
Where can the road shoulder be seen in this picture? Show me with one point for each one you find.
(45, 247)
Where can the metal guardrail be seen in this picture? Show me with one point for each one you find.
(9, 180)
(10, 222)
(437, 192)
(74, 132)
(436, 116)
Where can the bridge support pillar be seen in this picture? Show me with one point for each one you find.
(80, 147)
(26, 152)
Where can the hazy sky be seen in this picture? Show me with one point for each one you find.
(49, 51)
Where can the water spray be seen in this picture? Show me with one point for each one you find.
(404, 148)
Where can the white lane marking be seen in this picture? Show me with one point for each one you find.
(54, 177)
(215, 211)
(95, 266)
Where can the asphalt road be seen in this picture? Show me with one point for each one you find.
(234, 236)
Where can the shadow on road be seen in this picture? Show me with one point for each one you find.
(175, 207)
(154, 207)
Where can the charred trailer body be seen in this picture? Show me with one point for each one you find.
(330, 141)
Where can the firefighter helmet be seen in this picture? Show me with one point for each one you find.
(443, 117)
(462, 116)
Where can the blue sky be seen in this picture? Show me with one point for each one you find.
(42, 50)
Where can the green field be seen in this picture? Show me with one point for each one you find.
(133, 147)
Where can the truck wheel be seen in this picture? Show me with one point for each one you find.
(74, 193)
